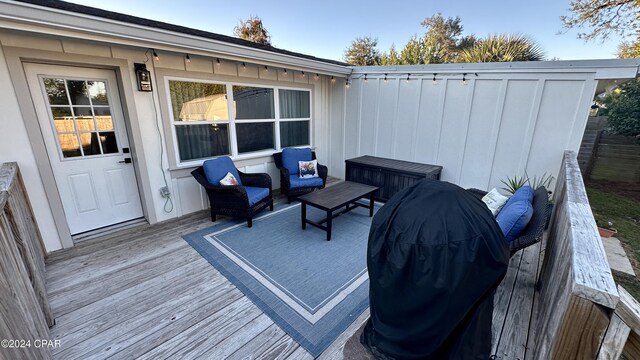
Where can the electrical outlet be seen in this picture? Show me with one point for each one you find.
(164, 192)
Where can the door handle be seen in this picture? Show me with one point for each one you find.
(125, 161)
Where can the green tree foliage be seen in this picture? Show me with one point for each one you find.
(623, 109)
(629, 49)
(362, 52)
(503, 47)
(390, 58)
(602, 18)
(413, 52)
(253, 30)
(441, 42)
(444, 42)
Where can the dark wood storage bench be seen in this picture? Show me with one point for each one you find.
(389, 175)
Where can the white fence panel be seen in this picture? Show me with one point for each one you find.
(505, 121)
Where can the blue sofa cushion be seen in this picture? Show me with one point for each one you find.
(255, 194)
(516, 213)
(216, 169)
(291, 156)
(297, 182)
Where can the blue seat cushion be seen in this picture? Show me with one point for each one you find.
(255, 194)
(216, 169)
(297, 182)
(291, 156)
(516, 213)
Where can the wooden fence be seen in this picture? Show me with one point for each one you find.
(578, 293)
(617, 158)
(590, 140)
(24, 309)
(609, 157)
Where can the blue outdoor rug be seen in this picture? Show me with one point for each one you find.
(312, 288)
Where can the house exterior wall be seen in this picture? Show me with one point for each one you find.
(140, 118)
(15, 146)
(501, 123)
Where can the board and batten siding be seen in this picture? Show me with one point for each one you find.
(508, 119)
(141, 119)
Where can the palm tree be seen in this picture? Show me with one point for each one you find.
(501, 48)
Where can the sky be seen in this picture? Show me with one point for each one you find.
(325, 29)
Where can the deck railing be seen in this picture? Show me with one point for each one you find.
(577, 290)
(25, 315)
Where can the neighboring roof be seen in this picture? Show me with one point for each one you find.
(87, 10)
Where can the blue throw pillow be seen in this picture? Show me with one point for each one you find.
(291, 156)
(216, 169)
(516, 213)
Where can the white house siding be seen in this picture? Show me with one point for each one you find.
(190, 196)
(14, 146)
(506, 120)
(187, 195)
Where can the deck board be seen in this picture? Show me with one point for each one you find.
(145, 293)
(502, 299)
(513, 340)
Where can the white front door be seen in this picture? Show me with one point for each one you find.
(82, 123)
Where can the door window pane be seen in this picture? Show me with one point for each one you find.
(78, 92)
(192, 101)
(69, 145)
(104, 121)
(90, 144)
(86, 127)
(254, 136)
(84, 118)
(109, 143)
(62, 119)
(294, 133)
(98, 92)
(294, 104)
(202, 141)
(253, 103)
(56, 91)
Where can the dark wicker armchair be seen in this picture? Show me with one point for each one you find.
(535, 228)
(285, 176)
(234, 200)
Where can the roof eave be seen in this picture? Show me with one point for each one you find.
(603, 69)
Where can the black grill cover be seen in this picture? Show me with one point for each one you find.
(435, 257)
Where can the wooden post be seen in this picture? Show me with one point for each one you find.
(24, 311)
(578, 293)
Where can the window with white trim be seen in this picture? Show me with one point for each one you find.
(211, 119)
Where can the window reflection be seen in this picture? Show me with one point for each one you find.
(78, 92)
(202, 141)
(98, 92)
(255, 136)
(56, 91)
(80, 133)
(69, 145)
(294, 104)
(90, 144)
(192, 101)
(109, 143)
(294, 133)
(253, 102)
(84, 118)
(104, 121)
(62, 119)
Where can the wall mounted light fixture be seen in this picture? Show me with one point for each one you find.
(143, 76)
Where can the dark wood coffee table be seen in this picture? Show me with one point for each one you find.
(345, 194)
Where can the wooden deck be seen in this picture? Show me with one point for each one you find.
(145, 293)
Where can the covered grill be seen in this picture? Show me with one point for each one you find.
(435, 257)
